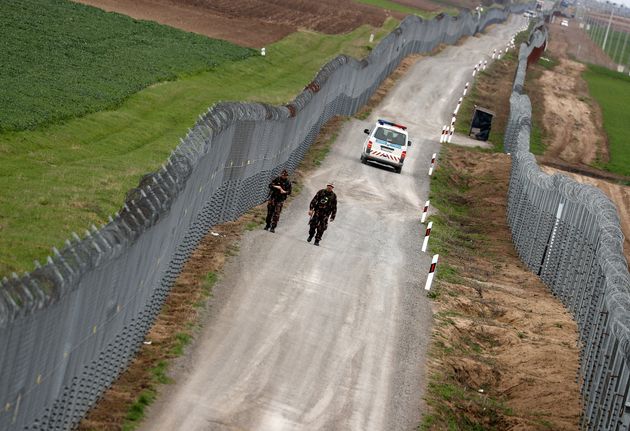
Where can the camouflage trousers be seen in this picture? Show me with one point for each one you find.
(318, 225)
(274, 209)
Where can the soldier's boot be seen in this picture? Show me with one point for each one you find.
(317, 242)
(272, 230)
(267, 227)
(310, 237)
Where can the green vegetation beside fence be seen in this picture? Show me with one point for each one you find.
(611, 90)
(63, 60)
(65, 177)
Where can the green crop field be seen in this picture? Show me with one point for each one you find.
(61, 59)
(612, 92)
(63, 177)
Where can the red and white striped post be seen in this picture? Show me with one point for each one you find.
(494, 53)
(475, 70)
(432, 164)
(485, 64)
(444, 134)
(450, 133)
(499, 56)
(432, 269)
(425, 210)
(427, 233)
(466, 88)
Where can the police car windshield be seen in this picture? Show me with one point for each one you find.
(391, 136)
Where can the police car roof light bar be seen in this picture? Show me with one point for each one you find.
(389, 123)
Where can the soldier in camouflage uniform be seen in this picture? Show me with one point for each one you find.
(323, 206)
(279, 189)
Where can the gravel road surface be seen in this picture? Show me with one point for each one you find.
(331, 337)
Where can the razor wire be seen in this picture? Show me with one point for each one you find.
(569, 234)
(71, 326)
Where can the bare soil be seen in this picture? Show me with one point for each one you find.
(500, 334)
(572, 119)
(253, 23)
(574, 42)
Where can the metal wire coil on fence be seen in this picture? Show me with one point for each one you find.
(569, 234)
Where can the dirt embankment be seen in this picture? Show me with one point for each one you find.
(572, 119)
(500, 336)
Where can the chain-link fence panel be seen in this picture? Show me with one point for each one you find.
(569, 234)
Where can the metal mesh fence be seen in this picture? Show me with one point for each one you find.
(569, 234)
(72, 325)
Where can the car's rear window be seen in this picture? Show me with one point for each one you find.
(390, 136)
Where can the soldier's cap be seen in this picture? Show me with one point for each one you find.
(331, 184)
(284, 172)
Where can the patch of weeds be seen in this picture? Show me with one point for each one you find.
(363, 114)
(521, 335)
(252, 225)
(434, 293)
(159, 373)
(208, 283)
(548, 62)
(136, 412)
(182, 339)
(447, 273)
(459, 409)
(319, 154)
(558, 325)
(471, 344)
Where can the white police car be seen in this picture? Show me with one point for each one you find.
(386, 144)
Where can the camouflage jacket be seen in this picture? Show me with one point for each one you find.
(324, 203)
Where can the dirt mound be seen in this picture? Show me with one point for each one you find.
(253, 23)
(572, 119)
(503, 339)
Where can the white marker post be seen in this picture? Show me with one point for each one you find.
(475, 70)
(425, 210)
(466, 88)
(494, 53)
(485, 64)
(443, 135)
(432, 269)
(371, 37)
(450, 134)
(459, 103)
(499, 56)
(427, 233)
(263, 52)
(432, 164)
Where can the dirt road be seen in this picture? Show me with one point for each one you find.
(331, 337)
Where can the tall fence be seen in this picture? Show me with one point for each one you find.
(72, 325)
(569, 234)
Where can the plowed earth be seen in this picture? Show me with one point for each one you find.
(254, 23)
